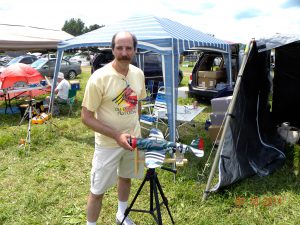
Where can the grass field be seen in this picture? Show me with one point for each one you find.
(50, 184)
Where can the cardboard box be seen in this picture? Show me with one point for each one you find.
(213, 132)
(207, 82)
(217, 118)
(218, 75)
(221, 104)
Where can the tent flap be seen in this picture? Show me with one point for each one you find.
(251, 144)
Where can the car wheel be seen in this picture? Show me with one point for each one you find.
(72, 74)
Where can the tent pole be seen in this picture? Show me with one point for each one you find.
(226, 125)
(53, 86)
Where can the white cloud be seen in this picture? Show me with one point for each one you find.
(232, 20)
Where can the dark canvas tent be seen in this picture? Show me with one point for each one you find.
(159, 35)
(250, 143)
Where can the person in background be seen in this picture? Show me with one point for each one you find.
(62, 89)
(111, 108)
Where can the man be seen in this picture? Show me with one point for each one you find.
(61, 93)
(111, 108)
(62, 89)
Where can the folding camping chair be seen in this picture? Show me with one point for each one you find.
(156, 110)
(158, 113)
(70, 101)
(150, 92)
(160, 84)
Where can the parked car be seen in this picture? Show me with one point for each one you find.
(4, 59)
(209, 77)
(46, 67)
(49, 55)
(67, 57)
(82, 58)
(100, 59)
(26, 59)
(152, 64)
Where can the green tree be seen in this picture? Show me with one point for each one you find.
(94, 27)
(76, 27)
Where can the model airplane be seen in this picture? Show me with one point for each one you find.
(156, 147)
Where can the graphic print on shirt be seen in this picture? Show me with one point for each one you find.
(126, 101)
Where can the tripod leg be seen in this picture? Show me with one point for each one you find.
(28, 139)
(24, 116)
(151, 174)
(165, 200)
(127, 211)
(157, 204)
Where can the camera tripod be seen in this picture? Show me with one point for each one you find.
(155, 189)
(28, 112)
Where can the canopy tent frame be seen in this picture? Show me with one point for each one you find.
(159, 35)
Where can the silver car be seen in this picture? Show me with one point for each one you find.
(46, 67)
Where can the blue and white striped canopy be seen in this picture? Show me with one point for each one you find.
(160, 35)
(153, 33)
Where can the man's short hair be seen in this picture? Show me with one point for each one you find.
(134, 39)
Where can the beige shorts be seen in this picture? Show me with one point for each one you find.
(109, 163)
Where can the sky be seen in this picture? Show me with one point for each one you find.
(230, 20)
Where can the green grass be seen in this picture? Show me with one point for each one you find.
(50, 184)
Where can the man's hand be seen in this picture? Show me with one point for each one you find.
(122, 141)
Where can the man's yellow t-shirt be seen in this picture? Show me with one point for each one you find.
(114, 99)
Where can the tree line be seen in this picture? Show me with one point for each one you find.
(77, 27)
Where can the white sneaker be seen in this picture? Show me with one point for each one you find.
(127, 221)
